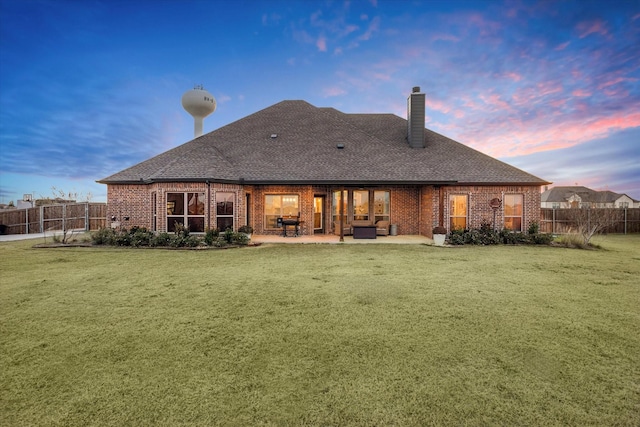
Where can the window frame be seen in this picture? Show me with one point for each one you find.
(505, 214)
(350, 213)
(270, 219)
(225, 215)
(454, 215)
(183, 211)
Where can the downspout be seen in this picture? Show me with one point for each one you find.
(208, 205)
(441, 208)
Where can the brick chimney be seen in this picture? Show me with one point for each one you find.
(415, 118)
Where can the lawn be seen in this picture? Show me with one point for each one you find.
(290, 335)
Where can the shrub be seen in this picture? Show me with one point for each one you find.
(228, 235)
(123, 238)
(573, 240)
(240, 239)
(485, 235)
(210, 236)
(104, 236)
(247, 229)
(140, 237)
(160, 239)
(534, 228)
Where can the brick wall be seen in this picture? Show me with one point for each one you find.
(405, 212)
(415, 209)
(479, 210)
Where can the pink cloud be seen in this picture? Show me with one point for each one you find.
(614, 81)
(558, 103)
(515, 138)
(436, 105)
(580, 92)
(374, 26)
(495, 101)
(321, 44)
(513, 76)
(593, 27)
(562, 46)
(333, 91)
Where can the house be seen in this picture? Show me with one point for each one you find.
(578, 196)
(325, 168)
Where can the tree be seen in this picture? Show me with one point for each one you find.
(591, 221)
(65, 197)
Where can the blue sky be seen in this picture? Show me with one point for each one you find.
(88, 88)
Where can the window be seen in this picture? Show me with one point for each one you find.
(186, 209)
(513, 212)
(361, 205)
(224, 210)
(623, 205)
(358, 206)
(381, 206)
(278, 206)
(457, 212)
(556, 205)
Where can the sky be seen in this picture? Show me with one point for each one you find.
(89, 88)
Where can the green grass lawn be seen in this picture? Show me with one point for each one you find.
(321, 335)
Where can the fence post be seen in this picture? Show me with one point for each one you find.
(625, 220)
(86, 216)
(42, 219)
(64, 218)
(26, 221)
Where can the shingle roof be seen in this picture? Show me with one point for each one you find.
(587, 195)
(305, 151)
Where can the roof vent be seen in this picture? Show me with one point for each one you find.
(340, 146)
(274, 135)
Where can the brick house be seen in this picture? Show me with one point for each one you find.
(327, 168)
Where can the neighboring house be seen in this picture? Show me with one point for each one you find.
(578, 196)
(295, 159)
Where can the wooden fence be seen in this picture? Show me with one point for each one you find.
(558, 221)
(93, 216)
(76, 216)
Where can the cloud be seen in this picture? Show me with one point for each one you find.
(321, 44)
(602, 163)
(333, 91)
(592, 27)
(374, 27)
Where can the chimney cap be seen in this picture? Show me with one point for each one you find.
(416, 89)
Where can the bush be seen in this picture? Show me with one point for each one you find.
(160, 239)
(247, 229)
(574, 241)
(240, 239)
(104, 236)
(141, 237)
(482, 236)
(485, 235)
(228, 235)
(210, 237)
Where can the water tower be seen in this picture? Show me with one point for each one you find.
(199, 103)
